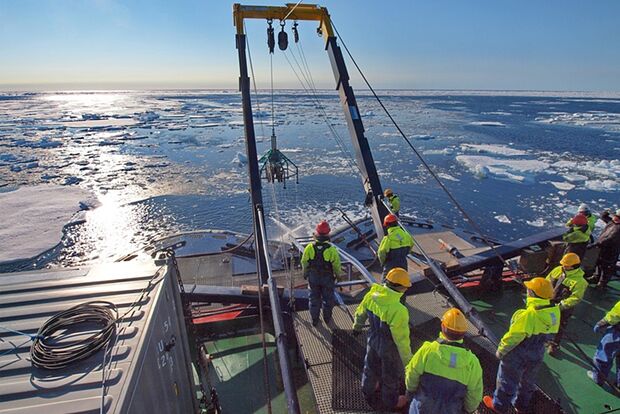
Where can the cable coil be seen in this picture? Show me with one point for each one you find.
(52, 347)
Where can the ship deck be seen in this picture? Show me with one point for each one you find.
(563, 377)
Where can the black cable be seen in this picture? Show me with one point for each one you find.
(51, 348)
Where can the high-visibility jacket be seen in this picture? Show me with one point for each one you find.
(445, 377)
(613, 316)
(394, 248)
(325, 264)
(592, 219)
(531, 326)
(394, 203)
(577, 234)
(388, 319)
(573, 281)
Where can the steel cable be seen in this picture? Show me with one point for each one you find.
(422, 160)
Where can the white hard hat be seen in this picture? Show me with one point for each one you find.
(583, 207)
(618, 212)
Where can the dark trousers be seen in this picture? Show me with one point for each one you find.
(385, 370)
(321, 295)
(516, 381)
(607, 265)
(565, 315)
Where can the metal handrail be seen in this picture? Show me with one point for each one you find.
(278, 323)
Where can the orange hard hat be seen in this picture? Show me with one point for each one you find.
(580, 220)
(390, 219)
(323, 229)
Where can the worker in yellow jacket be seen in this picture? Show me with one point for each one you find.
(395, 245)
(569, 286)
(320, 263)
(393, 200)
(444, 376)
(609, 347)
(522, 349)
(388, 348)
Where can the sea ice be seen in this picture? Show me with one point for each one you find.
(539, 222)
(488, 123)
(492, 149)
(502, 218)
(240, 159)
(562, 185)
(514, 170)
(602, 185)
(34, 218)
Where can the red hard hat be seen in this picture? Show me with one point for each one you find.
(322, 228)
(580, 220)
(389, 219)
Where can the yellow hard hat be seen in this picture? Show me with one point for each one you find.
(454, 320)
(541, 286)
(570, 260)
(388, 192)
(399, 276)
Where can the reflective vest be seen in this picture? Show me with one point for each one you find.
(394, 248)
(531, 327)
(325, 263)
(445, 377)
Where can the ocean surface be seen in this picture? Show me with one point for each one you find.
(160, 162)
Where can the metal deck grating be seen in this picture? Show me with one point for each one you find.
(316, 349)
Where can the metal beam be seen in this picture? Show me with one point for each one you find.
(291, 11)
(233, 295)
(363, 154)
(250, 145)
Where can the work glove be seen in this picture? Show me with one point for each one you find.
(600, 326)
(498, 355)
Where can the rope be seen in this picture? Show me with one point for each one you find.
(292, 10)
(331, 128)
(422, 160)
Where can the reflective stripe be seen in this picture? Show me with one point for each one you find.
(452, 360)
(554, 319)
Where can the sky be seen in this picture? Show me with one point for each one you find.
(400, 44)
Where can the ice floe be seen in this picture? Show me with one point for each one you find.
(562, 185)
(502, 218)
(488, 123)
(493, 149)
(34, 218)
(510, 169)
(240, 159)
